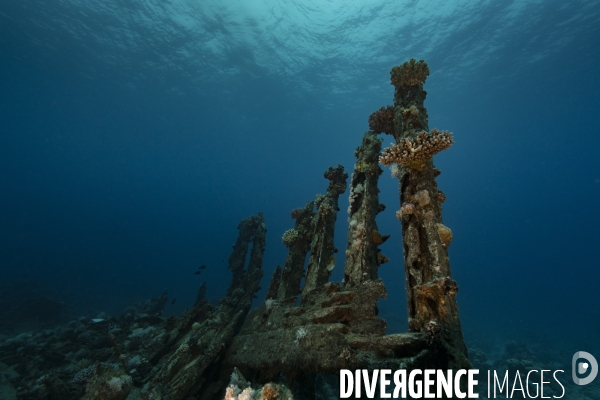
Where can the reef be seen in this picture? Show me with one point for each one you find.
(294, 343)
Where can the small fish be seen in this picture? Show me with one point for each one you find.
(174, 300)
(202, 266)
(197, 272)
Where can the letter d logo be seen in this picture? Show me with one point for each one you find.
(583, 367)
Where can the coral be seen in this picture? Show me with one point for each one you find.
(246, 394)
(84, 376)
(411, 111)
(289, 237)
(270, 391)
(325, 210)
(337, 181)
(230, 393)
(237, 381)
(445, 234)
(301, 212)
(355, 191)
(410, 73)
(422, 198)
(108, 384)
(367, 167)
(300, 334)
(360, 230)
(382, 120)
(407, 208)
(419, 149)
(115, 384)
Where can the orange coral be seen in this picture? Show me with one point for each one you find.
(377, 239)
(382, 120)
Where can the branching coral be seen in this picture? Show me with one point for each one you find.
(289, 237)
(421, 148)
(382, 120)
(410, 73)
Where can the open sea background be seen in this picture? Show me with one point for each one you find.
(136, 134)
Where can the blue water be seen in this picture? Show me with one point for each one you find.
(136, 134)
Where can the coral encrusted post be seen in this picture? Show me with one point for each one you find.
(322, 249)
(298, 241)
(431, 291)
(363, 256)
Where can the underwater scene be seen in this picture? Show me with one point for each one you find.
(310, 199)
